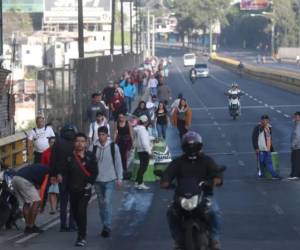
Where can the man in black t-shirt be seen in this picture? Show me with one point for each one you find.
(26, 184)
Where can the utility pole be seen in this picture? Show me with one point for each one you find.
(148, 33)
(210, 37)
(1, 31)
(131, 31)
(136, 27)
(153, 36)
(80, 30)
(112, 33)
(140, 31)
(122, 27)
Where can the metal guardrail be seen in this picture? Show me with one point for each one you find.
(284, 78)
(13, 150)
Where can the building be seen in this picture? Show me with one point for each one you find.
(25, 6)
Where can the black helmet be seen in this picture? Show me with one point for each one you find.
(68, 131)
(191, 143)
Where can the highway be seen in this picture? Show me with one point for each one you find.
(250, 58)
(257, 214)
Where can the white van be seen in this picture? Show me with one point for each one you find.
(189, 59)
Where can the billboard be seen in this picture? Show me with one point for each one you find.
(66, 11)
(254, 4)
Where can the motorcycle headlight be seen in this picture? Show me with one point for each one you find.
(189, 204)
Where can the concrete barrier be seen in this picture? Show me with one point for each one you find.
(282, 78)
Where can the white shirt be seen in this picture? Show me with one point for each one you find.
(152, 83)
(40, 136)
(262, 145)
(93, 132)
(142, 139)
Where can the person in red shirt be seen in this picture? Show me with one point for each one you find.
(53, 190)
(118, 105)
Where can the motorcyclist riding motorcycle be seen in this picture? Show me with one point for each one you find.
(193, 165)
(234, 105)
(193, 75)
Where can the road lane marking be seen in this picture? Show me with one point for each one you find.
(219, 128)
(279, 111)
(287, 116)
(241, 163)
(223, 135)
(229, 144)
(278, 209)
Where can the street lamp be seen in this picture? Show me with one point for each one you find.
(269, 16)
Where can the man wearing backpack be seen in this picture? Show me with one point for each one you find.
(110, 175)
(38, 138)
(93, 132)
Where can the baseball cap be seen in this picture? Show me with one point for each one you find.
(143, 118)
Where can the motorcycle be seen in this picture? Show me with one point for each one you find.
(193, 77)
(191, 205)
(9, 205)
(234, 106)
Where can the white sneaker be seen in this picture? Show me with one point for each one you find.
(293, 178)
(142, 187)
(136, 185)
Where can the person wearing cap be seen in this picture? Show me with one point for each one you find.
(262, 144)
(110, 171)
(38, 138)
(143, 147)
(96, 105)
(100, 121)
(295, 145)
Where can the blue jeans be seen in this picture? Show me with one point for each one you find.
(153, 91)
(161, 130)
(104, 191)
(177, 232)
(128, 101)
(265, 161)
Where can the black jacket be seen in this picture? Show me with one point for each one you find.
(75, 177)
(256, 131)
(61, 150)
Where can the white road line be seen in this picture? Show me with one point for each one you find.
(287, 116)
(219, 128)
(216, 123)
(278, 209)
(271, 107)
(278, 111)
(266, 105)
(223, 135)
(260, 102)
(250, 96)
(241, 163)
(229, 144)
(255, 99)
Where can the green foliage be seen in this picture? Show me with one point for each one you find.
(199, 14)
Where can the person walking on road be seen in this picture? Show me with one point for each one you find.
(38, 138)
(53, 189)
(96, 105)
(295, 144)
(262, 144)
(110, 175)
(161, 120)
(93, 132)
(124, 139)
(142, 110)
(62, 148)
(26, 184)
(153, 83)
(164, 93)
(143, 147)
(182, 117)
(129, 93)
(81, 173)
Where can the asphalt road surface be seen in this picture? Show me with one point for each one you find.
(257, 214)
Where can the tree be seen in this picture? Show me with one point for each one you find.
(199, 14)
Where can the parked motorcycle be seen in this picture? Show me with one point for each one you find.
(192, 206)
(9, 205)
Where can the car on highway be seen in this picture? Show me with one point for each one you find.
(202, 70)
(189, 59)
